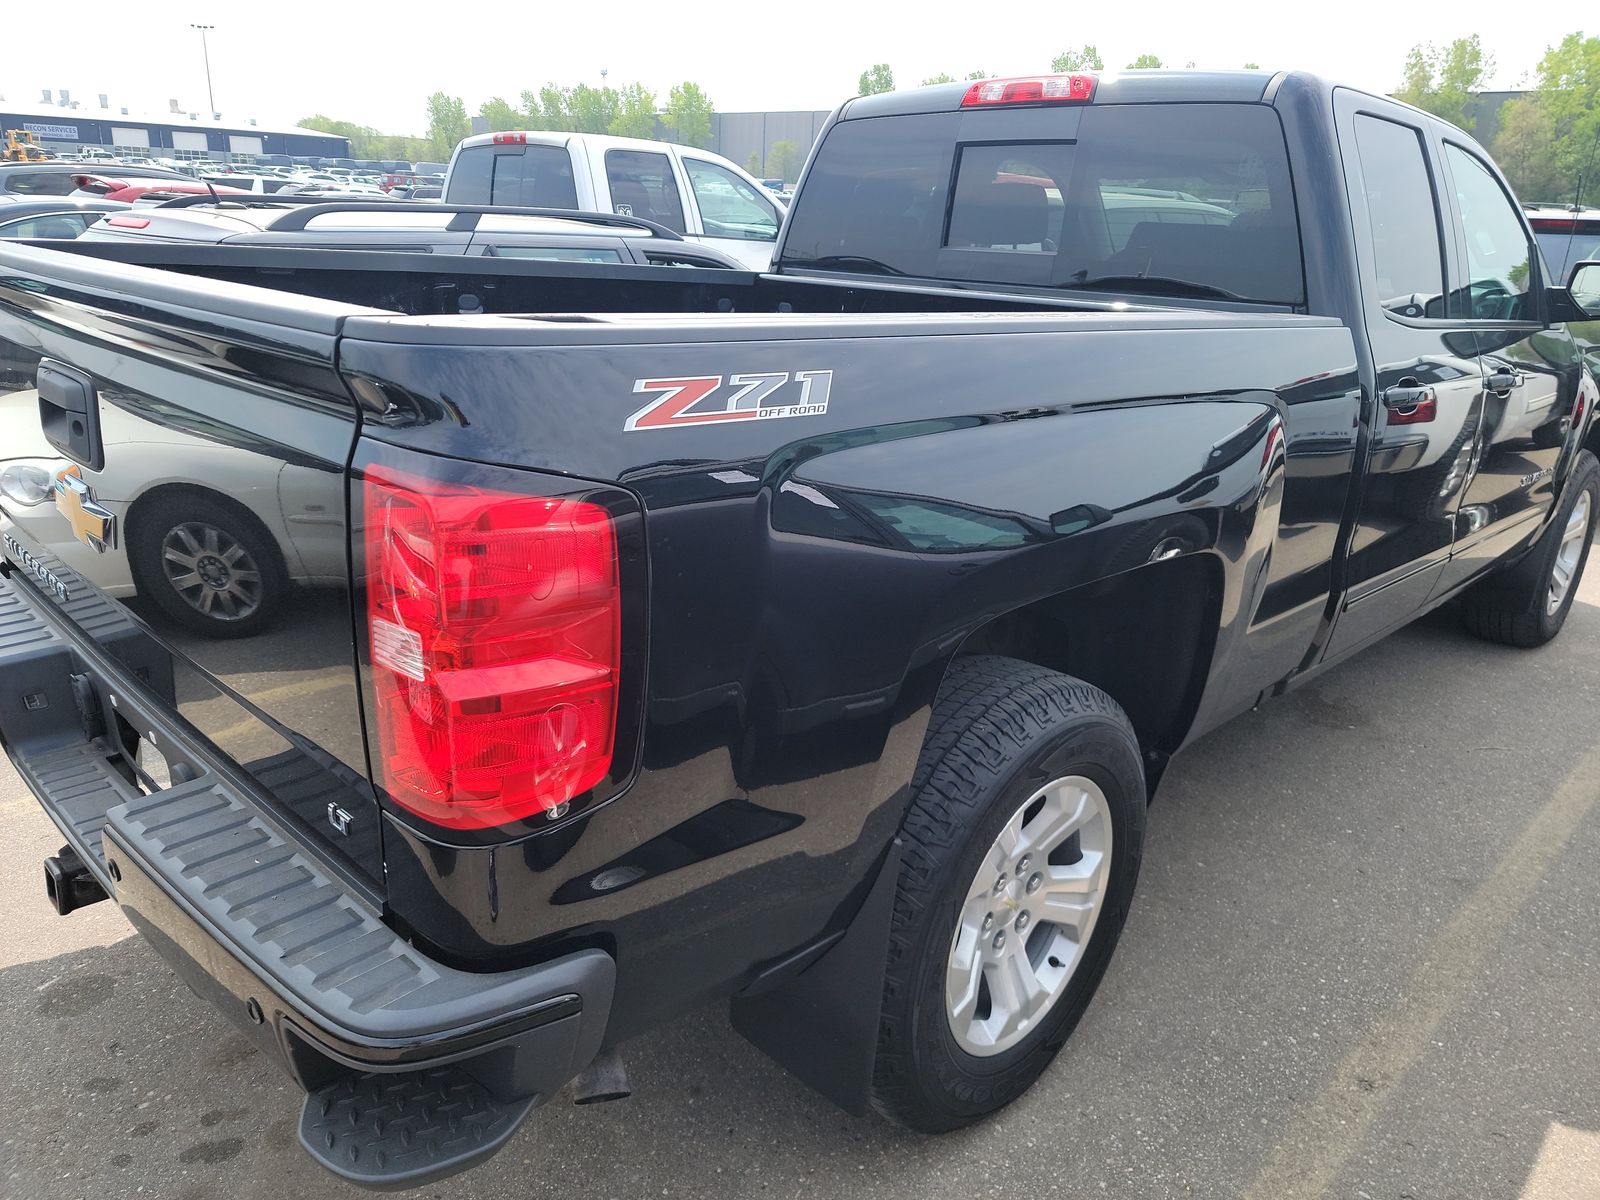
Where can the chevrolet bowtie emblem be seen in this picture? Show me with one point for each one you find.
(92, 524)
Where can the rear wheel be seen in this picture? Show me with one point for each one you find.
(1021, 850)
(1527, 605)
(207, 564)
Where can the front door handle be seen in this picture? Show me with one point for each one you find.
(1503, 380)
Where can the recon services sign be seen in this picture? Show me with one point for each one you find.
(67, 133)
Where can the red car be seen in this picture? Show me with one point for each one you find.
(129, 190)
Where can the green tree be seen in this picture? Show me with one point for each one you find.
(1252, 66)
(1525, 148)
(547, 108)
(1549, 140)
(1144, 62)
(783, 161)
(362, 138)
(752, 165)
(1445, 82)
(688, 115)
(977, 74)
(1086, 58)
(876, 78)
(636, 112)
(501, 114)
(447, 124)
(593, 109)
(941, 77)
(366, 142)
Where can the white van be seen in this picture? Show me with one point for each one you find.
(693, 192)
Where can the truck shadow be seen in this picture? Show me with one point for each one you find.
(1301, 863)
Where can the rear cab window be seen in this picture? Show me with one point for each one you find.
(1173, 199)
(530, 176)
(38, 183)
(1565, 243)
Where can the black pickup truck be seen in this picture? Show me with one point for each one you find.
(456, 668)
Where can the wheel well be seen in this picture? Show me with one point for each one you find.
(1144, 637)
(191, 493)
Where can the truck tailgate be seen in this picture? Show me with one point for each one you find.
(175, 487)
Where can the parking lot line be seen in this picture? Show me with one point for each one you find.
(1324, 1133)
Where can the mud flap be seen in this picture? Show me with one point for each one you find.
(819, 1018)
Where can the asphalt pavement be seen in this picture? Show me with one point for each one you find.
(1364, 962)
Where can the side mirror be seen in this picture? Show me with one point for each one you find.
(1584, 288)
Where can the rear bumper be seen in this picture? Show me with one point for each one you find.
(250, 916)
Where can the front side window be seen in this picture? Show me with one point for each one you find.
(730, 207)
(1499, 256)
(643, 185)
(1187, 200)
(1402, 221)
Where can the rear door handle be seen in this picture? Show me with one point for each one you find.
(1504, 380)
(1410, 405)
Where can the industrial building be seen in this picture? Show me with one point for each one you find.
(62, 124)
(736, 136)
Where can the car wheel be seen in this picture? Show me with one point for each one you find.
(1021, 849)
(207, 564)
(1528, 604)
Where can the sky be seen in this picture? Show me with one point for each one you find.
(375, 64)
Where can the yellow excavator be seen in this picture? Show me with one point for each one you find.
(21, 147)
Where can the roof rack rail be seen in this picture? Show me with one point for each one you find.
(305, 209)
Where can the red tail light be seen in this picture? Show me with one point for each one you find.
(496, 647)
(1035, 89)
(510, 139)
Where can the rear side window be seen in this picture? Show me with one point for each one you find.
(58, 226)
(1176, 199)
(643, 185)
(1402, 221)
(524, 176)
(587, 254)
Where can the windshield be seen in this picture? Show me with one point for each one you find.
(1185, 199)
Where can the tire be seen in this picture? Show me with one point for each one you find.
(1001, 731)
(253, 583)
(1528, 604)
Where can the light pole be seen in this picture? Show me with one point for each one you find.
(205, 51)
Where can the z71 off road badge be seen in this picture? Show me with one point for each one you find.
(706, 399)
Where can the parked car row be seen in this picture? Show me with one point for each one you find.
(693, 192)
(697, 195)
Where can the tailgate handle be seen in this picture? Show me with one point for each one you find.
(70, 414)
